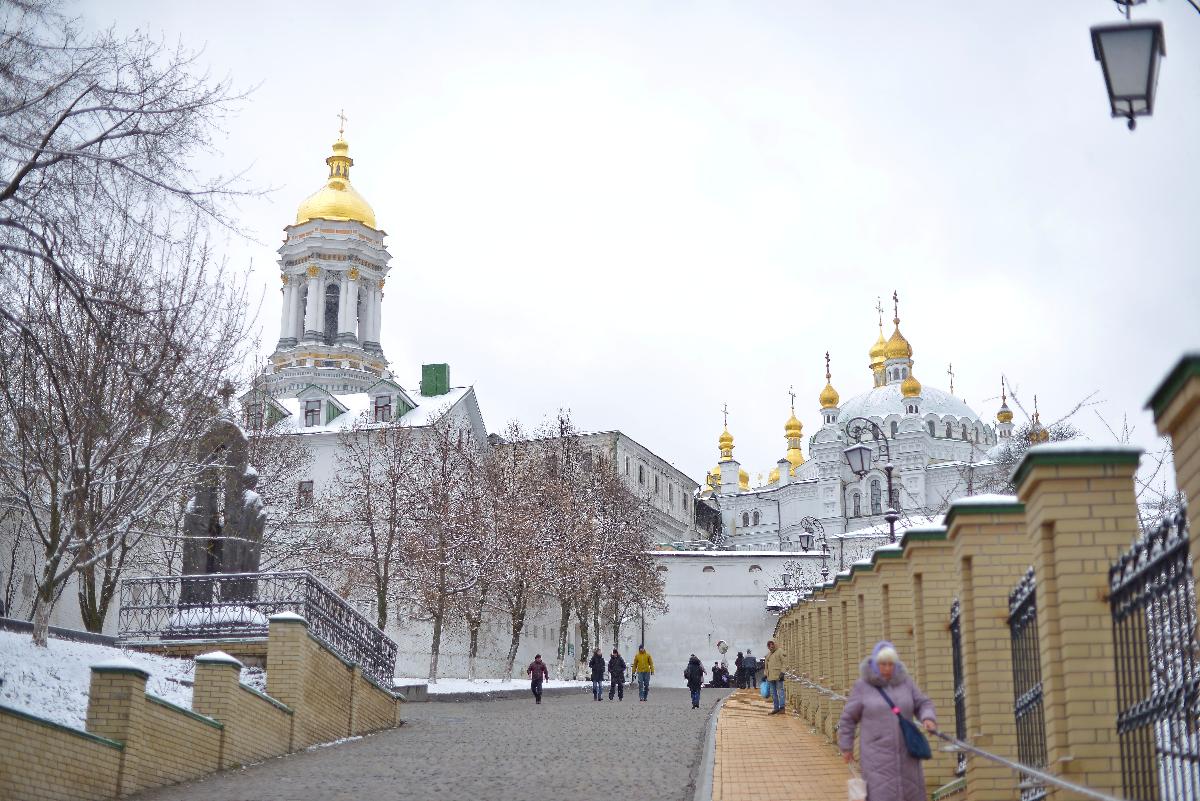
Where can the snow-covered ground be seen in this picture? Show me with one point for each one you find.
(53, 682)
(487, 685)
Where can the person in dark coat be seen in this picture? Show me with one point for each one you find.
(750, 666)
(739, 671)
(694, 675)
(596, 663)
(890, 772)
(616, 675)
(537, 672)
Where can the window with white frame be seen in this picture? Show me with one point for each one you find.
(383, 408)
(312, 413)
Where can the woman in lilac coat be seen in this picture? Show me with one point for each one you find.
(891, 774)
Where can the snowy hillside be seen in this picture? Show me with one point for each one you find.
(53, 682)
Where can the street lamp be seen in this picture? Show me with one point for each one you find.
(859, 457)
(1129, 55)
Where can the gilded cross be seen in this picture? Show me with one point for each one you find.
(896, 304)
(879, 308)
(725, 412)
(950, 372)
(827, 365)
(342, 127)
(792, 395)
(226, 392)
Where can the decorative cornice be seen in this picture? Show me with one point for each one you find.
(1014, 508)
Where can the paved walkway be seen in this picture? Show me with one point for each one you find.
(761, 757)
(569, 747)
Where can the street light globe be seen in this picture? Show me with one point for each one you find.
(1129, 55)
(859, 458)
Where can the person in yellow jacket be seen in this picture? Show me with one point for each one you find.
(643, 668)
(773, 665)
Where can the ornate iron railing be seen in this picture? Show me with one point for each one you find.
(1027, 684)
(164, 608)
(1153, 602)
(960, 683)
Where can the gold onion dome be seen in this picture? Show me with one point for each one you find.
(743, 480)
(773, 478)
(878, 351)
(337, 200)
(829, 396)
(1005, 414)
(725, 443)
(910, 387)
(897, 346)
(793, 428)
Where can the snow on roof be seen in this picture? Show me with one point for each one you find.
(119, 663)
(881, 402)
(987, 499)
(288, 616)
(1072, 445)
(428, 410)
(219, 657)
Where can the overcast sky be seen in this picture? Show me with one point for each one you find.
(644, 210)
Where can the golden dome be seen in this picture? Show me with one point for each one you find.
(829, 396)
(773, 478)
(910, 387)
(725, 443)
(713, 479)
(1005, 414)
(337, 200)
(878, 350)
(743, 480)
(793, 428)
(897, 346)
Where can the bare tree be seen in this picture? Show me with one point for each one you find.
(368, 510)
(87, 123)
(100, 407)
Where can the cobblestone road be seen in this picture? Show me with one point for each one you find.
(570, 747)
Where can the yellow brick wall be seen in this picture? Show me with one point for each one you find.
(251, 652)
(170, 747)
(328, 690)
(255, 728)
(1081, 517)
(1180, 419)
(375, 708)
(42, 761)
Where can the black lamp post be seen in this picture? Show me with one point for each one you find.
(860, 456)
(811, 526)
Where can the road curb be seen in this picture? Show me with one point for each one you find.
(704, 777)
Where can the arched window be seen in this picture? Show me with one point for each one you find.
(755, 568)
(329, 319)
(709, 569)
(745, 518)
(931, 433)
(857, 505)
(757, 518)
(964, 433)
(895, 428)
(876, 497)
(641, 474)
(949, 431)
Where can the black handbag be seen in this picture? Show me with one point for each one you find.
(916, 743)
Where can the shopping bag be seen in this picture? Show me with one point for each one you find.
(856, 786)
(764, 689)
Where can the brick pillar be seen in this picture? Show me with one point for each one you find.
(866, 580)
(1176, 407)
(825, 649)
(991, 553)
(930, 561)
(287, 669)
(215, 694)
(850, 647)
(837, 660)
(896, 588)
(116, 698)
(1082, 514)
(809, 695)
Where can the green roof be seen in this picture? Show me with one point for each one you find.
(1185, 369)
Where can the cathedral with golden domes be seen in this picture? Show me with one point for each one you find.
(939, 449)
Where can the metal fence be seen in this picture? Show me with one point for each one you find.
(1027, 683)
(960, 683)
(1153, 604)
(234, 605)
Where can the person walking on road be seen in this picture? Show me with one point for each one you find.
(750, 666)
(596, 663)
(774, 675)
(883, 693)
(537, 673)
(739, 667)
(693, 674)
(616, 675)
(643, 668)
